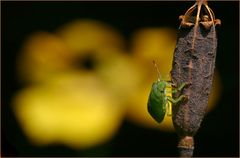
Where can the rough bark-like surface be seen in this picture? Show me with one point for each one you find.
(193, 63)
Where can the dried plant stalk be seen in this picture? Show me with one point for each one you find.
(193, 63)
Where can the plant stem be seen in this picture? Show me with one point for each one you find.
(186, 146)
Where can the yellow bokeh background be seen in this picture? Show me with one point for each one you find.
(82, 82)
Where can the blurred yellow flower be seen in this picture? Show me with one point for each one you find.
(66, 103)
(121, 75)
(72, 108)
(88, 36)
(42, 55)
(158, 44)
(83, 107)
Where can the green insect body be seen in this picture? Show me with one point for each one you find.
(158, 101)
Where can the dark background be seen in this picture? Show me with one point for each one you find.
(219, 133)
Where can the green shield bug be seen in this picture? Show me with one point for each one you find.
(158, 101)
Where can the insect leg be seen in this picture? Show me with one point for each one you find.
(173, 101)
(174, 91)
(169, 109)
(181, 99)
(169, 83)
(184, 85)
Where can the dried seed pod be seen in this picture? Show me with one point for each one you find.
(194, 62)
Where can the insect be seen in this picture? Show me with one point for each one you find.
(158, 101)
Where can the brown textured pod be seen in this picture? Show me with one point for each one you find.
(193, 63)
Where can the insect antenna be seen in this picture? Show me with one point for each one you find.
(158, 72)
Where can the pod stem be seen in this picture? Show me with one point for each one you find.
(186, 146)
